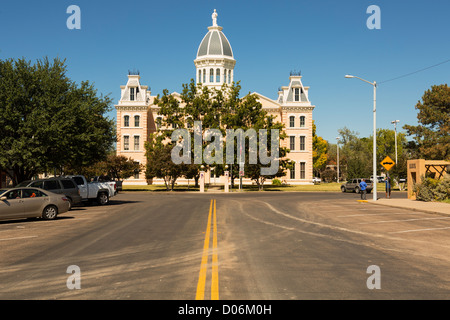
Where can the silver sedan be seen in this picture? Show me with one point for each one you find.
(30, 203)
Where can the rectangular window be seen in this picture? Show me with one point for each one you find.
(296, 94)
(292, 143)
(291, 122)
(302, 121)
(68, 184)
(211, 75)
(302, 143)
(132, 94)
(158, 123)
(302, 170)
(136, 142)
(292, 171)
(136, 121)
(217, 75)
(126, 143)
(126, 121)
(51, 185)
(136, 172)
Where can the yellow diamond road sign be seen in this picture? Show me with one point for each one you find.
(387, 163)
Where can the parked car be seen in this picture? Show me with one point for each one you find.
(98, 191)
(28, 202)
(108, 179)
(317, 180)
(379, 178)
(58, 185)
(353, 185)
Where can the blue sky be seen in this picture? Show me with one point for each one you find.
(323, 39)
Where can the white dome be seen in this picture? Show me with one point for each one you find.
(215, 43)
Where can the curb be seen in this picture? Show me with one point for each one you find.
(409, 208)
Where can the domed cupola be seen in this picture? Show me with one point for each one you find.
(215, 62)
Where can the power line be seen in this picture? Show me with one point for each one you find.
(411, 73)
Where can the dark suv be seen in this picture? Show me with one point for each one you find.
(65, 186)
(353, 185)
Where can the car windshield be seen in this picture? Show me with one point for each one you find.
(3, 191)
(23, 184)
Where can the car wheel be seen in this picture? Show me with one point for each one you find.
(343, 189)
(70, 203)
(50, 213)
(356, 190)
(102, 199)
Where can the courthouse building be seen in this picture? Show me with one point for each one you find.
(137, 114)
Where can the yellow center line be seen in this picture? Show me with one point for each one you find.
(204, 264)
(215, 262)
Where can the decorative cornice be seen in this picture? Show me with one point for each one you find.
(131, 108)
(297, 108)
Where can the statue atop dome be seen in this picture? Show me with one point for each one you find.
(214, 18)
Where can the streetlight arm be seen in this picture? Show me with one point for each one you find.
(372, 83)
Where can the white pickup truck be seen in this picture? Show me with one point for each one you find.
(99, 191)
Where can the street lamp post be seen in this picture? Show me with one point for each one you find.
(337, 148)
(374, 84)
(395, 129)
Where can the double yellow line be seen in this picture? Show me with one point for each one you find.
(215, 264)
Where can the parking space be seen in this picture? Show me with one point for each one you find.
(383, 219)
(18, 237)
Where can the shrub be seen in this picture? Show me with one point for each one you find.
(432, 190)
(276, 182)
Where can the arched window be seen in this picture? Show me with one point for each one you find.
(136, 121)
(199, 76)
(126, 121)
(204, 75)
(302, 121)
(217, 75)
(211, 75)
(229, 76)
(291, 121)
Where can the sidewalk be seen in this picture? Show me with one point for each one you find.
(430, 207)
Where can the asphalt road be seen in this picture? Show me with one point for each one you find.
(258, 246)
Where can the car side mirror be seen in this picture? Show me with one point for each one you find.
(3, 198)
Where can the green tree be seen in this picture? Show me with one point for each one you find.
(121, 167)
(355, 157)
(386, 147)
(432, 135)
(160, 164)
(320, 155)
(48, 122)
(220, 109)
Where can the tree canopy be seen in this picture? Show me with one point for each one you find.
(220, 109)
(47, 121)
(432, 135)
